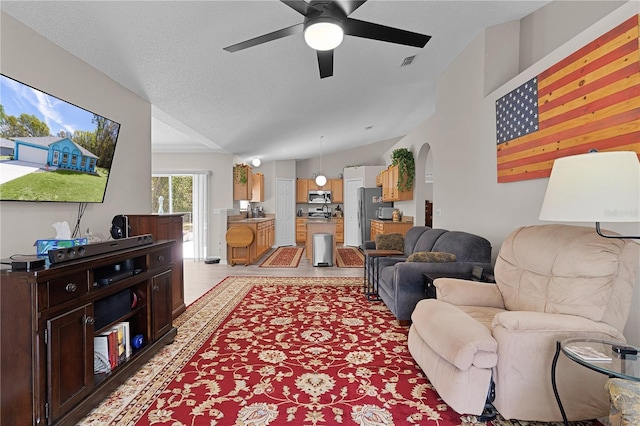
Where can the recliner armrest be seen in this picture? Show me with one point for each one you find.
(468, 293)
(561, 324)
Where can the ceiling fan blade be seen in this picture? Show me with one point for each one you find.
(300, 6)
(294, 29)
(373, 31)
(325, 63)
(349, 6)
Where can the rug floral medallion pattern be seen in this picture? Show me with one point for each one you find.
(269, 351)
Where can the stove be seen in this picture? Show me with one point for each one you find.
(319, 212)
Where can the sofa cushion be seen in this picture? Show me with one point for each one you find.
(431, 257)
(411, 238)
(427, 240)
(467, 247)
(394, 241)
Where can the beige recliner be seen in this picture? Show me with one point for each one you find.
(552, 282)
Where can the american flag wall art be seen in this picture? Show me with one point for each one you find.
(589, 100)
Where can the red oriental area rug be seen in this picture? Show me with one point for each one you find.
(284, 257)
(268, 351)
(349, 257)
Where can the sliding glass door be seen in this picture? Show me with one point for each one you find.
(186, 194)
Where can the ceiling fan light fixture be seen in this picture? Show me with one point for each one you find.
(323, 34)
(256, 162)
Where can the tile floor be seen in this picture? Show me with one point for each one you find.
(200, 277)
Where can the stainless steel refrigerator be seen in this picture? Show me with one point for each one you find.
(369, 199)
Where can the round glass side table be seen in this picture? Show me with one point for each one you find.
(614, 359)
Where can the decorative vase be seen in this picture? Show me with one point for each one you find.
(396, 216)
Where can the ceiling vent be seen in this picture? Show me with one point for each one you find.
(407, 61)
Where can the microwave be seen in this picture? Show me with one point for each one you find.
(385, 213)
(320, 197)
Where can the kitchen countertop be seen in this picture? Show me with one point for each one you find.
(251, 220)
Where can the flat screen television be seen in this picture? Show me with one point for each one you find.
(50, 149)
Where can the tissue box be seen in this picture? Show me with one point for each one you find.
(43, 246)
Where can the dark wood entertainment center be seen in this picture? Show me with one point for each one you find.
(48, 324)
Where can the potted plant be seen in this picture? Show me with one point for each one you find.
(240, 173)
(403, 158)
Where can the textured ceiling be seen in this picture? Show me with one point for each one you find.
(266, 101)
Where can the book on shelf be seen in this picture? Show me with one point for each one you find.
(112, 347)
(126, 338)
(101, 362)
(588, 353)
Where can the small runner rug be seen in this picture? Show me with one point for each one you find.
(260, 351)
(284, 257)
(349, 257)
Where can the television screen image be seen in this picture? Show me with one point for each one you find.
(50, 149)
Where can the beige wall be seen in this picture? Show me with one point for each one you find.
(30, 58)
(461, 139)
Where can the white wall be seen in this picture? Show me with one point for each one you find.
(30, 58)
(461, 136)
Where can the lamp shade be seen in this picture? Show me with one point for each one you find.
(594, 187)
(323, 34)
(256, 162)
(321, 180)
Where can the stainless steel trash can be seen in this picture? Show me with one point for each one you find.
(322, 249)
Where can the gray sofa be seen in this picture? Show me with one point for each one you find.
(401, 284)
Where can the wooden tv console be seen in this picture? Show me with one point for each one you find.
(48, 321)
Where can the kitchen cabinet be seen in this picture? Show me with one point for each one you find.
(242, 182)
(312, 186)
(389, 180)
(339, 230)
(257, 193)
(388, 227)
(303, 186)
(301, 230)
(337, 191)
(302, 190)
(263, 236)
(49, 319)
(165, 227)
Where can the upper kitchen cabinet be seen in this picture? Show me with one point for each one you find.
(258, 188)
(302, 190)
(390, 192)
(242, 182)
(303, 186)
(336, 191)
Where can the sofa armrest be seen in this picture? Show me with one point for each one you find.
(383, 262)
(468, 293)
(369, 245)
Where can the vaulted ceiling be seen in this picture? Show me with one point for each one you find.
(267, 101)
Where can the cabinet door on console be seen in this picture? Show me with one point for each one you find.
(70, 357)
(161, 300)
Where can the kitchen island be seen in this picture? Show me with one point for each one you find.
(263, 238)
(319, 226)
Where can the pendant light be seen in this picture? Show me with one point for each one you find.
(321, 180)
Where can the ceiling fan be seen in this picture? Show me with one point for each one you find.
(325, 23)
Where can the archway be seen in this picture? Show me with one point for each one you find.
(424, 183)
